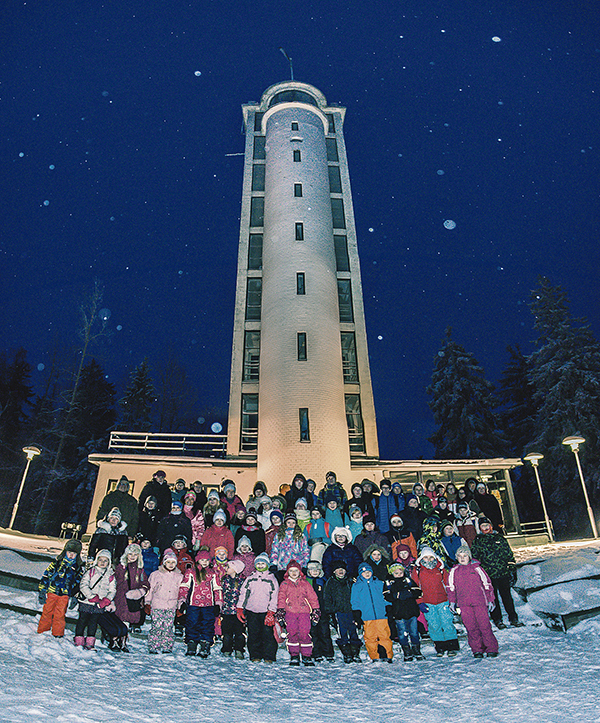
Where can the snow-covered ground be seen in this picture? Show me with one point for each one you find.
(540, 675)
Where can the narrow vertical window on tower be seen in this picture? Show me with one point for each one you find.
(356, 432)
(342, 260)
(301, 342)
(349, 363)
(253, 299)
(258, 121)
(251, 356)
(255, 244)
(259, 148)
(304, 426)
(258, 177)
(249, 431)
(297, 157)
(297, 190)
(299, 232)
(345, 301)
(337, 213)
(300, 283)
(330, 122)
(335, 180)
(257, 211)
(332, 150)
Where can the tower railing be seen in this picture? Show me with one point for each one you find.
(201, 445)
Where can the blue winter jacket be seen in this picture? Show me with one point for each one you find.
(386, 507)
(451, 545)
(367, 596)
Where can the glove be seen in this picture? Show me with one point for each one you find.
(357, 617)
(148, 609)
(315, 616)
(240, 615)
(42, 597)
(134, 594)
(104, 603)
(270, 618)
(423, 608)
(94, 599)
(111, 607)
(73, 603)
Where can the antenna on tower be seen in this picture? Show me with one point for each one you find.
(287, 57)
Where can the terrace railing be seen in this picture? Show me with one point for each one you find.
(199, 445)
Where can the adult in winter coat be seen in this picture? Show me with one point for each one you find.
(413, 517)
(157, 487)
(337, 602)
(97, 587)
(400, 593)
(497, 559)
(229, 498)
(124, 502)
(398, 495)
(172, 526)
(470, 591)
(341, 549)
(148, 520)
(257, 605)
(289, 544)
(296, 491)
(358, 499)
(386, 506)
(111, 535)
(297, 608)
(163, 598)
(370, 536)
(397, 535)
(489, 506)
(59, 582)
(259, 491)
(431, 576)
(332, 486)
(217, 534)
(132, 586)
(253, 530)
(367, 598)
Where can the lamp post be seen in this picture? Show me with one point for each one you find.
(31, 452)
(574, 441)
(534, 459)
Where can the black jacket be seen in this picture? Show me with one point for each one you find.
(171, 526)
(401, 595)
(337, 593)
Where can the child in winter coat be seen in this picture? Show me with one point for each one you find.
(466, 524)
(470, 592)
(231, 627)
(333, 511)
(319, 631)
(297, 609)
(378, 558)
(200, 586)
(59, 582)
(367, 598)
(276, 518)
(431, 576)
(289, 544)
(354, 521)
(163, 597)
(132, 585)
(245, 553)
(401, 594)
(253, 530)
(217, 534)
(302, 513)
(97, 587)
(151, 559)
(450, 540)
(337, 602)
(257, 605)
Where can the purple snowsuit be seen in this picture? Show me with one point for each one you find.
(471, 590)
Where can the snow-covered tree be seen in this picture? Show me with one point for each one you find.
(462, 402)
(518, 409)
(138, 401)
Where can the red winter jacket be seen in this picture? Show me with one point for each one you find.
(297, 597)
(433, 583)
(204, 593)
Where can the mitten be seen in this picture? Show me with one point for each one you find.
(73, 603)
(104, 603)
(240, 615)
(315, 616)
(280, 616)
(42, 597)
(95, 599)
(111, 607)
(270, 618)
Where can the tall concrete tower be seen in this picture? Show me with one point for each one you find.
(301, 397)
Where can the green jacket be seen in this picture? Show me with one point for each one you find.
(494, 553)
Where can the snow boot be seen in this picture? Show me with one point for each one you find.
(416, 651)
(408, 653)
(204, 651)
(478, 655)
(122, 643)
(89, 643)
(516, 623)
(501, 625)
(239, 654)
(492, 655)
(192, 647)
(79, 641)
(355, 653)
(113, 644)
(294, 660)
(308, 661)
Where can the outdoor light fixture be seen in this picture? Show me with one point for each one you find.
(574, 441)
(31, 452)
(534, 459)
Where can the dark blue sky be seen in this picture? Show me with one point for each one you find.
(114, 166)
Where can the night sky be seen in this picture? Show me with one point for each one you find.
(118, 120)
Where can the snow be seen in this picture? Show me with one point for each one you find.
(540, 675)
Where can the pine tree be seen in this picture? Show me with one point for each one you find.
(565, 374)
(15, 396)
(462, 403)
(140, 397)
(518, 409)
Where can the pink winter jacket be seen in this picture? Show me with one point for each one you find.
(297, 597)
(204, 593)
(164, 589)
(259, 592)
(470, 585)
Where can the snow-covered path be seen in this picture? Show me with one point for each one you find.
(540, 676)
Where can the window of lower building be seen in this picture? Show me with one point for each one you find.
(259, 148)
(335, 180)
(299, 232)
(337, 213)
(332, 150)
(255, 244)
(302, 346)
(253, 299)
(356, 432)
(257, 211)
(345, 301)
(342, 260)
(294, 126)
(258, 177)
(251, 356)
(297, 156)
(297, 190)
(304, 426)
(249, 435)
(300, 283)
(349, 361)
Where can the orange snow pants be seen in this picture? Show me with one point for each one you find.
(53, 614)
(377, 632)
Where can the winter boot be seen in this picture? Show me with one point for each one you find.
(79, 641)
(416, 651)
(516, 623)
(308, 661)
(408, 653)
(204, 651)
(191, 648)
(294, 660)
(355, 654)
(122, 643)
(89, 643)
(239, 654)
(478, 655)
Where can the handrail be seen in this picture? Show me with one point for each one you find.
(207, 444)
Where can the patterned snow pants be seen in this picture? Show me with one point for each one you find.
(162, 631)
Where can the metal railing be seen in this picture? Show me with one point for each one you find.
(532, 528)
(202, 445)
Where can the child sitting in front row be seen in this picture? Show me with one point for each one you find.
(59, 582)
